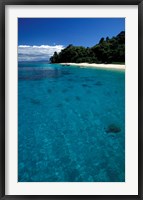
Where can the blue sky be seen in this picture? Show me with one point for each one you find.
(53, 34)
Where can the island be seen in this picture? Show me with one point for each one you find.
(108, 53)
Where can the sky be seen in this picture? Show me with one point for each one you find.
(39, 38)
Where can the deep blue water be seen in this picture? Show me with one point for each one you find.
(71, 124)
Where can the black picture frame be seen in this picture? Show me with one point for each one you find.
(3, 3)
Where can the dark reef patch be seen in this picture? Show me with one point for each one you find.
(89, 79)
(35, 101)
(59, 105)
(108, 94)
(70, 87)
(112, 128)
(66, 72)
(70, 79)
(73, 175)
(88, 91)
(78, 98)
(85, 85)
(98, 83)
(37, 73)
(49, 91)
(30, 73)
(64, 90)
(67, 99)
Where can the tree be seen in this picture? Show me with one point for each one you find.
(54, 58)
(101, 40)
(106, 51)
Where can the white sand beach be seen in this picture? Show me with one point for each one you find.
(108, 66)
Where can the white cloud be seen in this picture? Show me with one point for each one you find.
(37, 53)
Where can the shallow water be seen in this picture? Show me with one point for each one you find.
(71, 124)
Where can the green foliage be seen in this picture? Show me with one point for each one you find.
(106, 51)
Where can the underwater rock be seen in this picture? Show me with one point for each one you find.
(113, 128)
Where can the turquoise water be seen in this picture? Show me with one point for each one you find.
(71, 124)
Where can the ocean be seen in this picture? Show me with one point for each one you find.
(71, 124)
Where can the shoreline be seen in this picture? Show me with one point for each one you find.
(94, 65)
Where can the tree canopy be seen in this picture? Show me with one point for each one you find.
(106, 51)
